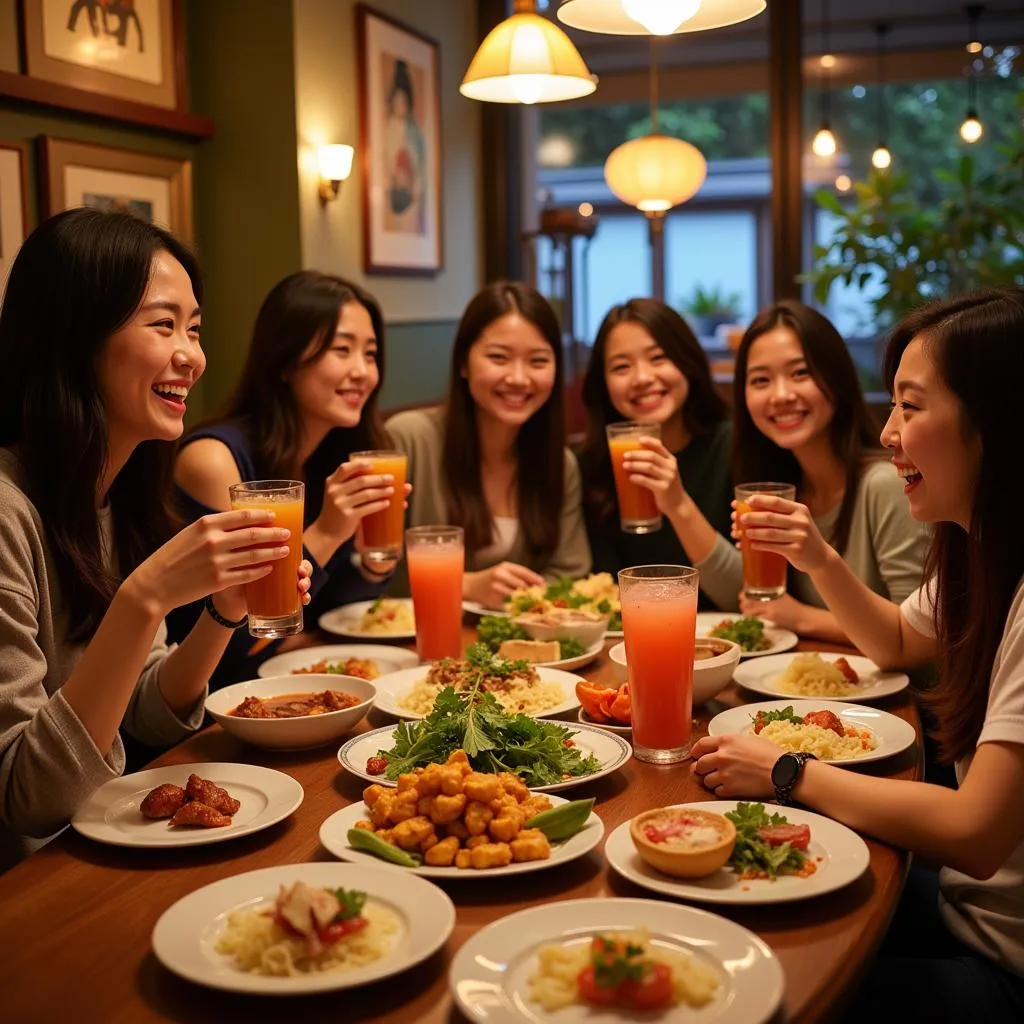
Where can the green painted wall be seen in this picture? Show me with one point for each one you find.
(417, 362)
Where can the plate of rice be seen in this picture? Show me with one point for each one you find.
(534, 691)
(867, 733)
(812, 674)
(367, 661)
(225, 937)
(387, 618)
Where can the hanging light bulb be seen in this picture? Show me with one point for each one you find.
(972, 129)
(527, 59)
(844, 183)
(824, 143)
(881, 159)
(656, 17)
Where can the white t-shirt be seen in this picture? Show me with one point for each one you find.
(505, 530)
(988, 915)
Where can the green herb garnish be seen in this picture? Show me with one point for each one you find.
(352, 902)
(754, 854)
(494, 630)
(747, 632)
(786, 714)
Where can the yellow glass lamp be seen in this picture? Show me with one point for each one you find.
(655, 172)
(656, 17)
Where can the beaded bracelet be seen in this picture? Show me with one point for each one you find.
(219, 619)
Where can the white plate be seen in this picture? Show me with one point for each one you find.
(347, 621)
(566, 664)
(841, 856)
(111, 815)
(391, 688)
(489, 976)
(611, 750)
(892, 733)
(782, 639)
(585, 719)
(185, 935)
(476, 608)
(874, 684)
(334, 833)
(388, 659)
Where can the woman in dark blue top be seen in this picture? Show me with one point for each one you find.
(306, 399)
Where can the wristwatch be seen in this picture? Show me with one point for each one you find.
(786, 772)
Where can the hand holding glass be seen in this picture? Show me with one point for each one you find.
(638, 511)
(764, 572)
(382, 531)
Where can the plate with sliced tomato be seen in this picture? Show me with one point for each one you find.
(607, 707)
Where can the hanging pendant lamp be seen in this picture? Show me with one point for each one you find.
(656, 17)
(824, 144)
(972, 129)
(527, 59)
(881, 158)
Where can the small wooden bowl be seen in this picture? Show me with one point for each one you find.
(681, 863)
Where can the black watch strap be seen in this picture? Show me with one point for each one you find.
(211, 610)
(791, 766)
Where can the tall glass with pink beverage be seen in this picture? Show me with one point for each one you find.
(659, 624)
(436, 556)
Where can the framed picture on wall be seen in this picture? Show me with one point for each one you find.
(157, 189)
(129, 49)
(400, 146)
(14, 223)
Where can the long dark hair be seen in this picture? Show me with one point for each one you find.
(77, 279)
(703, 409)
(756, 457)
(301, 309)
(975, 343)
(540, 443)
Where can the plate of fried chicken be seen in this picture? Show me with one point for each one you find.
(187, 805)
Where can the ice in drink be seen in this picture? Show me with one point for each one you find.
(436, 557)
(382, 531)
(638, 511)
(764, 572)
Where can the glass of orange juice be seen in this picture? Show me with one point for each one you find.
(436, 556)
(764, 572)
(275, 607)
(382, 531)
(638, 512)
(659, 624)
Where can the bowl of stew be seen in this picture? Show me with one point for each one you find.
(292, 712)
(714, 661)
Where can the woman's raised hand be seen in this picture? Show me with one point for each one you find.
(226, 549)
(351, 493)
(785, 527)
(490, 587)
(655, 468)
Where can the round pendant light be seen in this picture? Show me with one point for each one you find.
(656, 17)
(655, 172)
(527, 59)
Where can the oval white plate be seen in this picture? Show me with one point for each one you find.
(892, 733)
(874, 684)
(585, 719)
(782, 639)
(388, 659)
(185, 935)
(567, 664)
(611, 750)
(489, 976)
(391, 688)
(111, 815)
(841, 855)
(476, 608)
(347, 621)
(334, 832)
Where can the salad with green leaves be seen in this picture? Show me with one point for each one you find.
(767, 845)
(597, 593)
(494, 630)
(747, 632)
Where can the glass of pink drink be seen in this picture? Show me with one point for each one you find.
(659, 624)
(436, 556)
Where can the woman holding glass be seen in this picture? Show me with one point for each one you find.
(99, 339)
(306, 400)
(493, 460)
(647, 367)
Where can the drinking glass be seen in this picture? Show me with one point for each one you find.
(659, 625)
(382, 531)
(436, 557)
(764, 572)
(275, 607)
(638, 511)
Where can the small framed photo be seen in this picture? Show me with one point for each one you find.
(129, 49)
(400, 136)
(14, 224)
(157, 189)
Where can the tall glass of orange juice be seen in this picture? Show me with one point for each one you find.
(275, 607)
(659, 623)
(638, 512)
(437, 555)
(382, 531)
(764, 572)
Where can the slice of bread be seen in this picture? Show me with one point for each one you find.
(533, 651)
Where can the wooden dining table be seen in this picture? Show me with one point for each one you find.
(77, 916)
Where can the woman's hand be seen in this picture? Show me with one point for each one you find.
(736, 766)
(490, 587)
(787, 528)
(351, 493)
(216, 552)
(231, 603)
(655, 468)
(786, 611)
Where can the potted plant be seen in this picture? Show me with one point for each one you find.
(708, 308)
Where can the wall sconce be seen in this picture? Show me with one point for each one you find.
(335, 165)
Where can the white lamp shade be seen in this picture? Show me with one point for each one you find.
(611, 17)
(527, 59)
(655, 173)
(334, 162)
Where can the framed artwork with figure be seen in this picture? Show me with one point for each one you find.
(154, 188)
(400, 136)
(128, 49)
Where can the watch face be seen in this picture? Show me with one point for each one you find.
(785, 771)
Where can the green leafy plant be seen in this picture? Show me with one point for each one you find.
(712, 302)
(972, 237)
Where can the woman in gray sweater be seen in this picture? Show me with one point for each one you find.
(99, 340)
